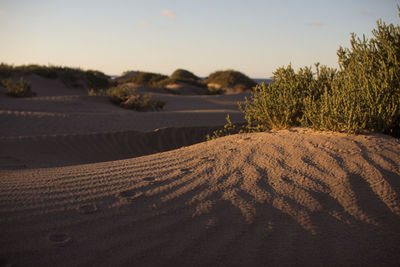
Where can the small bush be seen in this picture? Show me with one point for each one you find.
(98, 92)
(181, 76)
(126, 98)
(211, 90)
(97, 79)
(72, 77)
(145, 78)
(18, 89)
(231, 79)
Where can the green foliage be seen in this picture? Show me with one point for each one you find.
(98, 92)
(181, 76)
(97, 79)
(366, 91)
(363, 94)
(146, 78)
(212, 90)
(72, 77)
(18, 89)
(231, 79)
(229, 129)
(184, 75)
(127, 98)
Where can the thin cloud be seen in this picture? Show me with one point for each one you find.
(366, 13)
(315, 24)
(168, 14)
(144, 23)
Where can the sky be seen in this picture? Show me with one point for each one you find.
(252, 36)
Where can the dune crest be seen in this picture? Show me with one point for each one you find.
(291, 197)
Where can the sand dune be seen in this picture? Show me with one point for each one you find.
(268, 199)
(83, 183)
(43, 151)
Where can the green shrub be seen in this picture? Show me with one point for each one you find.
(231, 79)
(97, 79)
(363, 94)
(181, 76)
(126, 98)
(366, 91)
(72, 77)
(18, 89)
(145, 78)
(94, 92)
(184, 75)
(212, 90)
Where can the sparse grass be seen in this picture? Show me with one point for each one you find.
(127, 98)
(231, 79)
(18, 89)
(72, 77)
(145, 78)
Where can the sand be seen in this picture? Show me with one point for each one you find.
(102, 192)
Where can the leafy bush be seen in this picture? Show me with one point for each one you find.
(126, 98)
(72, 77)
(97, 79)
(230, 79)
(98, 92)
(212, 90)
(366, 91)
(145, 78)
(18, 89)
(363, 94)
(181, 76)
(281, 104)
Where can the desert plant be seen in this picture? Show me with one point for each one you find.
(127, 98)
(212, 90)
(366, 92)
(230, 79)
(363, 94)
(18, 89)
(145, 78)
(180, 76)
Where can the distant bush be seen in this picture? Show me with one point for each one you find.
(231, 79)
(181, 76)
(145, 78)
(98, 92)
(97, 79)
(363, 94)
(18, 89)
(126, 98)
(184, 75)
(211, 90)
(72, 77)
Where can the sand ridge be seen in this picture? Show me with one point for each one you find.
(291, 197)
(86, 183)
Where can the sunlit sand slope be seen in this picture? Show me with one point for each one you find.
(264, 199)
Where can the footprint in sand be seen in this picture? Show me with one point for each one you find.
(59, 239)
(87, 208)
(130, 194)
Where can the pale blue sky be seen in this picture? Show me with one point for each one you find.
(251, 36)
